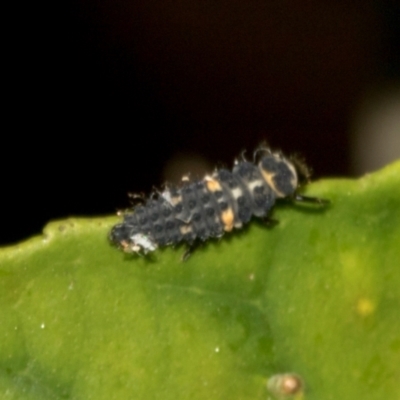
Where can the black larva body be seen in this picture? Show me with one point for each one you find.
(210, 207)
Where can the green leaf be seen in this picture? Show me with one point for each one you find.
(317, 295)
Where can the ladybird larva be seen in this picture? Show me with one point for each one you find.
(208, 208)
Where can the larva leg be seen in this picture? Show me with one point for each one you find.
(306, 199)
(191, 249)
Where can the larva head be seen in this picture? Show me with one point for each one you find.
(279, 173)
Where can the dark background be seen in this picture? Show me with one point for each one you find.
(102, 95)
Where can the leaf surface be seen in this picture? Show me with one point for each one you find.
(317, 295)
